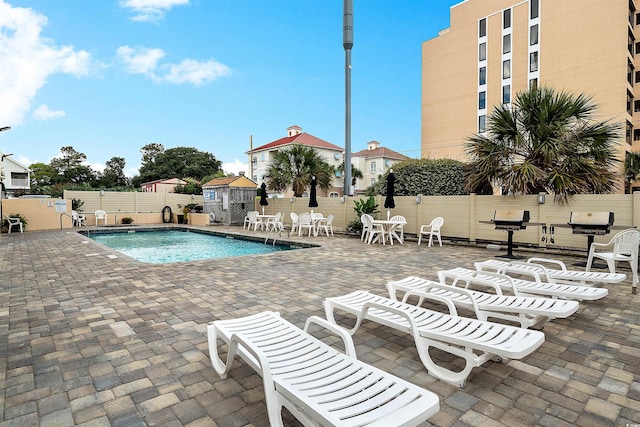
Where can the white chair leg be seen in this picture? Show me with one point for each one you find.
(430, 239)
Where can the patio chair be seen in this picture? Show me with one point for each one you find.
(394, 229)
(275, 223)
(247, 220)
(622, 247)
(375, 232)
(521, 287)
(254, 221)
(318, 384)
(432, 229)
(366, 227)
(78, 220)
(305, 221)
(473, 340)
(327, 225)
(101, 216)
(14, 222)
(529, 312)
(294, 221)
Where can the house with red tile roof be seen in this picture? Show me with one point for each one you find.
(260, 157)
(373, 162)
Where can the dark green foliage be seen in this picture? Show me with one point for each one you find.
(431, 177)
(179, 162)
(23, 220)
(362, 206)
(293, 166)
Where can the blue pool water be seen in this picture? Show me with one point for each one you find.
(160, 247)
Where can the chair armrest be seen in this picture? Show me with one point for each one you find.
(349, 347)
(538, 260)
(427, 227)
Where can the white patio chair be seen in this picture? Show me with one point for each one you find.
(432, 229)
(78, 220)
(101, 216)
(14, 222)
(254, 220)
(305, 221)
(366, 226)
(394, 229)
(275, 223)
(247, 220)
(376, 232)
(622, 247)
(326, 225)
(294, 221)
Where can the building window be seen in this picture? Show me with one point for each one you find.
(637, 76)
(482, 124)
(535, 8)
(629, 102)
(255, 178)
(506, 69)
(262, 157)
(637, 50)
(533, 84)
(533, 35)
(533, 61)
(482, 27)
(506, 43)
(19, 179)
(630, 73)
(254, 160)
(373, 181)
(483, 76)
(373, 167)
(636, 134)
(631, 41)
(506, 94)
(636, 106)
(482, 52)
(482, 100)
(506, 19)
(637, 18)
(334, 194)
(629, 131)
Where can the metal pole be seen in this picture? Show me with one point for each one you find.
(1, 177)
(251, 157)
(347, 43)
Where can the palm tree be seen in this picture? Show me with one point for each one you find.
(355, 173)
(547, 142)
(293, 167)
(631, 169)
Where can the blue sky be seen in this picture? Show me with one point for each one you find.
(110, 76)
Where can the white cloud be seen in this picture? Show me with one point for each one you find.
(141, 60)
(236, 167)
(145, 61)
(28, 59)
(150, 10)
(44, 113)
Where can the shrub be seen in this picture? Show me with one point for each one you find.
(430, 177)
(127, 220)
(362, 206)
(5, 221)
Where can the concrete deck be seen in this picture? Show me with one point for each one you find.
(91, 337)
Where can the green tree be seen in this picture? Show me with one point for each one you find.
(179, 162)
(113, 175)
(431, 177)
(42, 175)
(293, 167)
(70, 168)
(355, 173)
(150, 152)
(631, 169)
(546, 142)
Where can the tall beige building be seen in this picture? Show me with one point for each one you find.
(494, 49)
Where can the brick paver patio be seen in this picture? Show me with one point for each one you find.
(91, 337)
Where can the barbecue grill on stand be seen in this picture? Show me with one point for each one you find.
(590, 224)
(510, 221)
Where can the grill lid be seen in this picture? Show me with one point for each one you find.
(506, 216)
(591, 219)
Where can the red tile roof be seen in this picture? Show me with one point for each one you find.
(380, 152)
(302, 138)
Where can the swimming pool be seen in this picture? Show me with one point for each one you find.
(167, 246)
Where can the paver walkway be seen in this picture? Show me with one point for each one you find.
(91, 337)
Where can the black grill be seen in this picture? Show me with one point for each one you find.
(510, 220)
(591, 223)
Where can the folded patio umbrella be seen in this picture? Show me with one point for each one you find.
(389, 203)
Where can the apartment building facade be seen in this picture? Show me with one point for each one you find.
(494, 49)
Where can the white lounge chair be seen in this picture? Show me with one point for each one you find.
(101, 216)
(475, 341)
(432, 229)
(520, 286)
(14, 222)
(317, 383)
(622, 247)
(529, 312)
(536, 269)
